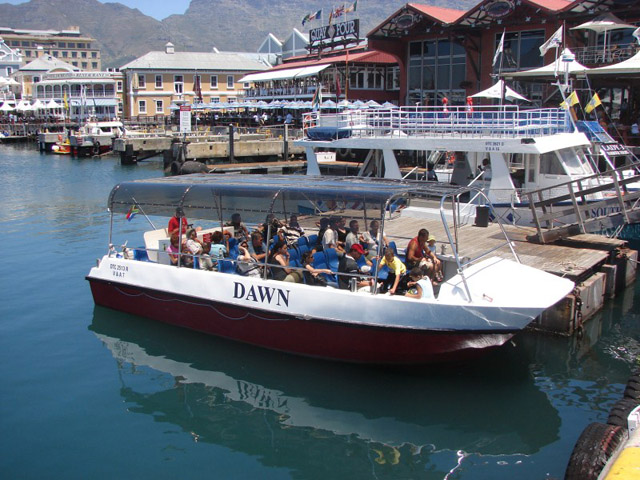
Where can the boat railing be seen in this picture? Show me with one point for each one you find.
(482, 121)
(456, 210)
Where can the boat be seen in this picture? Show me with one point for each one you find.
(540, 152)
(62, 146)
(479, 306)
(95, 138)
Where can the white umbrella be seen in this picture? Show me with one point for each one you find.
(38, 105)
(51, 105)
(6, 107)
(373, 104)
(24, 106)
(554, 69)
(495, 91)
(389, 105)
(602, 24)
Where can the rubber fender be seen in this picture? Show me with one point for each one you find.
(593, 449)
(191, 166)
(175, 168)
(620, 411)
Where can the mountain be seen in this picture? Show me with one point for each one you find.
(125, 33)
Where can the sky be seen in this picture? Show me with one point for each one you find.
(157, 9)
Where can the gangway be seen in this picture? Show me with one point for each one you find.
(600, 203)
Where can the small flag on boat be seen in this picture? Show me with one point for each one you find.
(554, 42)
(132, 212)
(317, 98)
(593, 103)
(499, 50)
(570, 101)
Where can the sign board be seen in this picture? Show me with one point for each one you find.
(336, 34)
(326, 156)
(185, 119)
(614, 149)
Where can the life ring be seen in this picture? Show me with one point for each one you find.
(96, 148)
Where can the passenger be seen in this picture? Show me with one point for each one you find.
(431, 174)
(371, 238)
(280, 256)
(349, 264)
(240, 231)
(419, 287)
(437, 267)
(245, 263)
(486, 168)
(313, 276)
(194, 246)
(174, 249)
(219, 247)
(324, 224)
(205, 259)
(275, 224)
(292, 231)
(257, 247)
(176, 220)
(341, 230)
(330, 237)
(354, 235)
(418, 256)
(396, 278)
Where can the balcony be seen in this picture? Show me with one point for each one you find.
(599, 56)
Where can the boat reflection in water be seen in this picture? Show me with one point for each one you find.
(310, 415)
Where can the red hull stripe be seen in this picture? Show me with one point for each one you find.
(314, 338)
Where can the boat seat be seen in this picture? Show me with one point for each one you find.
(140, 254)
(332, 259)
(319, 260)
(226, 266)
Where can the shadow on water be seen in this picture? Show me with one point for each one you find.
(250, 399)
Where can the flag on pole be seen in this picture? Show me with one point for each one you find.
(65, 100)
(636, 34)
(570, 101)
(336, 12)
(312, 16)
(317, 98)
(593, 103)
(132, 212)
(554, 42)
(338, 89)
(353, 7)
(499, 50)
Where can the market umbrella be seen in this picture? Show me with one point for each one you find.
(24, 106)
(388, 105)
(52, 105)
(373, 104)
(38, 105)
(558, 67)
(495, 91)
(602, 24)
(6, 107)
(628, 68)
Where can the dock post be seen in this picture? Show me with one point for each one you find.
(231, 154)
(285, 147)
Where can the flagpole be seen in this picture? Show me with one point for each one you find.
(503, 88)
(142, 211)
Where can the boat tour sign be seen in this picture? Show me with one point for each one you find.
(185, 118)
(336, 34)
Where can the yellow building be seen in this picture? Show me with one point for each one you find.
(67, 45)
(159, 80)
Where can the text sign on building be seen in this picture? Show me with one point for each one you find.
(334, 33)
(185, 119)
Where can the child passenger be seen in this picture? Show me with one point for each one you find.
(219, 247)
(420, 287)
(395, 281)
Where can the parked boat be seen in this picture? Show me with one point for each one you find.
(62, 146)
(481, 305)
(95, 138)
(506, 151)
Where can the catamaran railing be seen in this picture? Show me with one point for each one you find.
(482, 121)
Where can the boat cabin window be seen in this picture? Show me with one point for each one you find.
(574, 162)
(550, 164)
(532, 167)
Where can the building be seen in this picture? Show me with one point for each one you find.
(10, 59)
(450, 53)
(162, 79)
(68, 45)
(32, 73)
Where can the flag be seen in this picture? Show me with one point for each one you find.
(132, 212)
(636, 34)
(317, 98)
(336, 12)
(570, 101)
(353, 7)
(197, 90)
(338, 89)
(498, 51)
(554, 42)
(312, 16)
(593, 103)
(65, 100)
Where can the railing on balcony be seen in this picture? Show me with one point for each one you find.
(283, 92)
(597, 55)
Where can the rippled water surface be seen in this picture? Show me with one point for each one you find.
(92, 393)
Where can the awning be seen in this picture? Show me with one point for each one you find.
(95, 102)
(287, 73)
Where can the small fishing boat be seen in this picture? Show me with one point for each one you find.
(482, 302)
(95, 138)
(62, 146)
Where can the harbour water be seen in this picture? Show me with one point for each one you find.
(92, 393)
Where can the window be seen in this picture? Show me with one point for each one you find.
(28, 52)
(142, 106)
(521, 50)
(158, 81)
(142, 81)
(83, 54)
(9, 70)
(65, 54)
(94, 65)
(80, 45)
(26, 44)
(119, 86)
(230, 82)
(393, 78)
(178, 83)
(232, 99)
(55, 53)
(36, 79)
(84, 64)
(62, 44)
(246, 85)
(159, 106)
(214, 100)
(74, 54)
(94, 54)
(71, 45)
(75, 64)
(214, 81)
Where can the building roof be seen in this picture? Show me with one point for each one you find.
(46, 63)
(441, 14)
(371, 56)
(412, 14)
(195, 61)
(553, 5)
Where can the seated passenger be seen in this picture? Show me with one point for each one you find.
(330, 236)
(419, 286)
(396, 281)
(219, 247)
(312, 276)
(323, 225)
(257, 247)
(371, 239)
(205, 258)
(174, 249)
(349, 264)
(193, 245)
(354, 235)
(279, 263)
(240, 231)
(271, 226)
(291, 232)
(420, 256)
(437, 267)
(245, 264)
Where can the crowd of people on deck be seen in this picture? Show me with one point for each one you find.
(278, 242)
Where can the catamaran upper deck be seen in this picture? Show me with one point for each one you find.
(440, 128)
